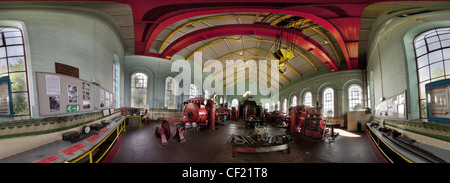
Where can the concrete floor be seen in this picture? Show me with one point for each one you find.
(139, 145)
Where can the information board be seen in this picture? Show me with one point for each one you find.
(61, 94)
(437, 95)
(393, 107)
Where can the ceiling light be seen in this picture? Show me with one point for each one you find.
(325, 42)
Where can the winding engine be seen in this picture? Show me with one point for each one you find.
(307, 120)
(197, 112)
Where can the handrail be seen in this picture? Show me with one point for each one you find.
(119, 129)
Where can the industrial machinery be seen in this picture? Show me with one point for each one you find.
(198, 112)
(276, 118)
(307, 120)
(223, 113)
(250, 112)
(234, 114)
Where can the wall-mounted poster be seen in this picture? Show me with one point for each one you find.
(437, 93)
(72, 92)
(86, 91)
(393, 107)
(54, 103)
(53, 85)
(6, 106)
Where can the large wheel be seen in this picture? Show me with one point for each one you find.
(170, 129)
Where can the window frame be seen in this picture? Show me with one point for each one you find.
(423, 50)
(133, 86)
(326, 102)
(8, 72)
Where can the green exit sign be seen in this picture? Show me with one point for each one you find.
(72, 108)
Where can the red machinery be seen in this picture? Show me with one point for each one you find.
(234, 114)
(200, 111)
(307, 120)
(224, 113)
(276, 117)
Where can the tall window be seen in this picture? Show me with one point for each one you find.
(114, 83)
(267, 106)
(138, 90)
(193, 92)
(294, 101)
(13, 64)
(354, 97)
(307, 99)
(328, 102)
(235, 103)
(170, 99)
(285, 106)
(278, 106)
(432, 49)
(206, 94)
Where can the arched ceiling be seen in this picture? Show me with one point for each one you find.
(250, 31)
(327, 31)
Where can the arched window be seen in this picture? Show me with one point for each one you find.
(235, 103)
(285, 106)
(278, 105)
(328, 102)
(193, 92)
(138, 90)
(206, 94)
(432, 50)
(354, 97)
(170, 99)
(267, 106)
(307, 99)
(14, 65)
(294, 101)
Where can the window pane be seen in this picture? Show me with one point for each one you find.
(14, 50)
(422, 90)
(423, 108)
(16, 64)
(2, 52)
(444, 36)
(434, 46)
(432, 39)
(437, 70)
(424, 74)
(3, 66)
(18, 82)
(435, 56)
(447, 67)
(20, 103)
(446, 53)
(13, 40)
(422, 61)
(12, 33)
(421, 51)
(419, 44)
(445, 43)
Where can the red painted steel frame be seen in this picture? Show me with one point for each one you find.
(250, 29)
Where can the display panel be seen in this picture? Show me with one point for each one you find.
(437, 98)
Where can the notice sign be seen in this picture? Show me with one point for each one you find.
(72, 108)
(438, 107)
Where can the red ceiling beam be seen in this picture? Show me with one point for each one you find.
(250, 29)
(315, 13)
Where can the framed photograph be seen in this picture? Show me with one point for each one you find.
(54, 103)
(72, 92)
